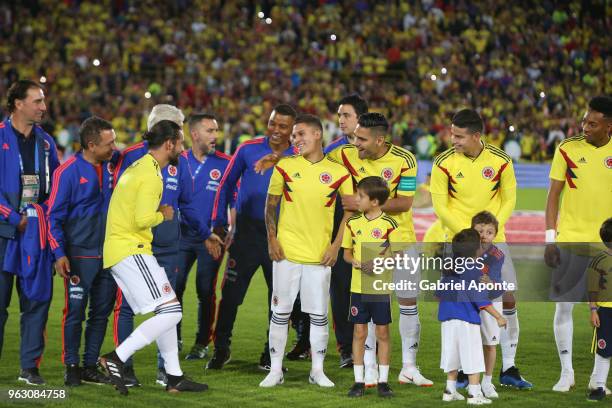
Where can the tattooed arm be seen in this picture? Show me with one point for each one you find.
(274, 247)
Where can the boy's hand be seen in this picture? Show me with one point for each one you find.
(501, 322)
(594, 318)
(356, 264)
(367, 267)
(330, 256)
(485, 279)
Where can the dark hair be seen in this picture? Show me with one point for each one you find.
(602, 104)
(90, 130)
(374, 187)
(162, 131)
(19, 90)
(466, 243)
(605, 232)
(196, 118)
(285, 110)
(376, 122)
(357, 102)
(485, 217)
(470, 119)
(310, 120)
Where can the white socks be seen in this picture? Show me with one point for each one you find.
(277, 338)
(358, 371)
(410, 331)
(383, 373)
(600, 371)
(451, 386)
(161, 327)
(487, 379)
(509, 338)
(369, 357)
(319, 336)
(474, 390)
(564, 332)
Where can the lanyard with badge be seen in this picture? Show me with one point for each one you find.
(30, 183)
(197, 171)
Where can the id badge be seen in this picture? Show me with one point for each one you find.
(30, 190)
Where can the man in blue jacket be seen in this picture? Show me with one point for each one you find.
(82, 188)
(28, 158)
(206, 166)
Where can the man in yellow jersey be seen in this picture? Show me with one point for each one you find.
(301, 248)
(468, 178)
(372, 155)
(581, 171)
(600, 297)
(134, 209)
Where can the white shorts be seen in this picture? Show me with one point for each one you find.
(410, 275)
(508, 273)
(489, 330)
(461, 347)
(143, 283)
(310, 281)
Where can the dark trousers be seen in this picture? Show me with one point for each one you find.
(88, 283)
(340, 296)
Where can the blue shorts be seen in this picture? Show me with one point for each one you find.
(602, 336)
(370, 307)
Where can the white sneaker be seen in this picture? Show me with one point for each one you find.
(478, 400)
(566, 382)
(489, 390)
(592, 387)
(412, 375)
(319, 378)
(371, 377)
(452, 396)
(272, 380)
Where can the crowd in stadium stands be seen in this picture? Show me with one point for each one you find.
(528, 67)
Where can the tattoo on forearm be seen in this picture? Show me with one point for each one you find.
(271, 214)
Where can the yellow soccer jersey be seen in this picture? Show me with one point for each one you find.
(383, 236)
(397, 167)
(309, 192)
(461, 187)
(599, 274)
(587, 194)
(133, 211)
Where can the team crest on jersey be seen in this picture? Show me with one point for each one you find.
(231, 263)
(376, 233)
(354, 311)
(601, 343)
(110, 167)
(215, 174)
(47, 145)
(75, 280)
(387, 174)
(166, 288)
(608, 162)
(172, 170)
(488, 173)
(325, 178)
(275, 300)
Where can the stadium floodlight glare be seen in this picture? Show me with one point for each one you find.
(433, 77)
(43, 79)
(148, 95)
(511, 128)
(333, 37)
(261, 14)
(542, 94)
(443, 70)
(268, 20)
(96, 62)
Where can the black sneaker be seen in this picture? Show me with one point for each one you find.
(346, 359)
(92, 375)
(197, 352)
(185, 384)
(129, 377)
(113, 367)
(162, 378)
(384, 390)
(31, 376)
(357, 390)
(220, 357)
(299, 352)
(72, 375)
(265, 364)
(598, 394)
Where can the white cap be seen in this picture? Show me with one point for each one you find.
(165, 112)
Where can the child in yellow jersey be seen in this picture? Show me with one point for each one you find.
(372, 226)
(599, 274)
